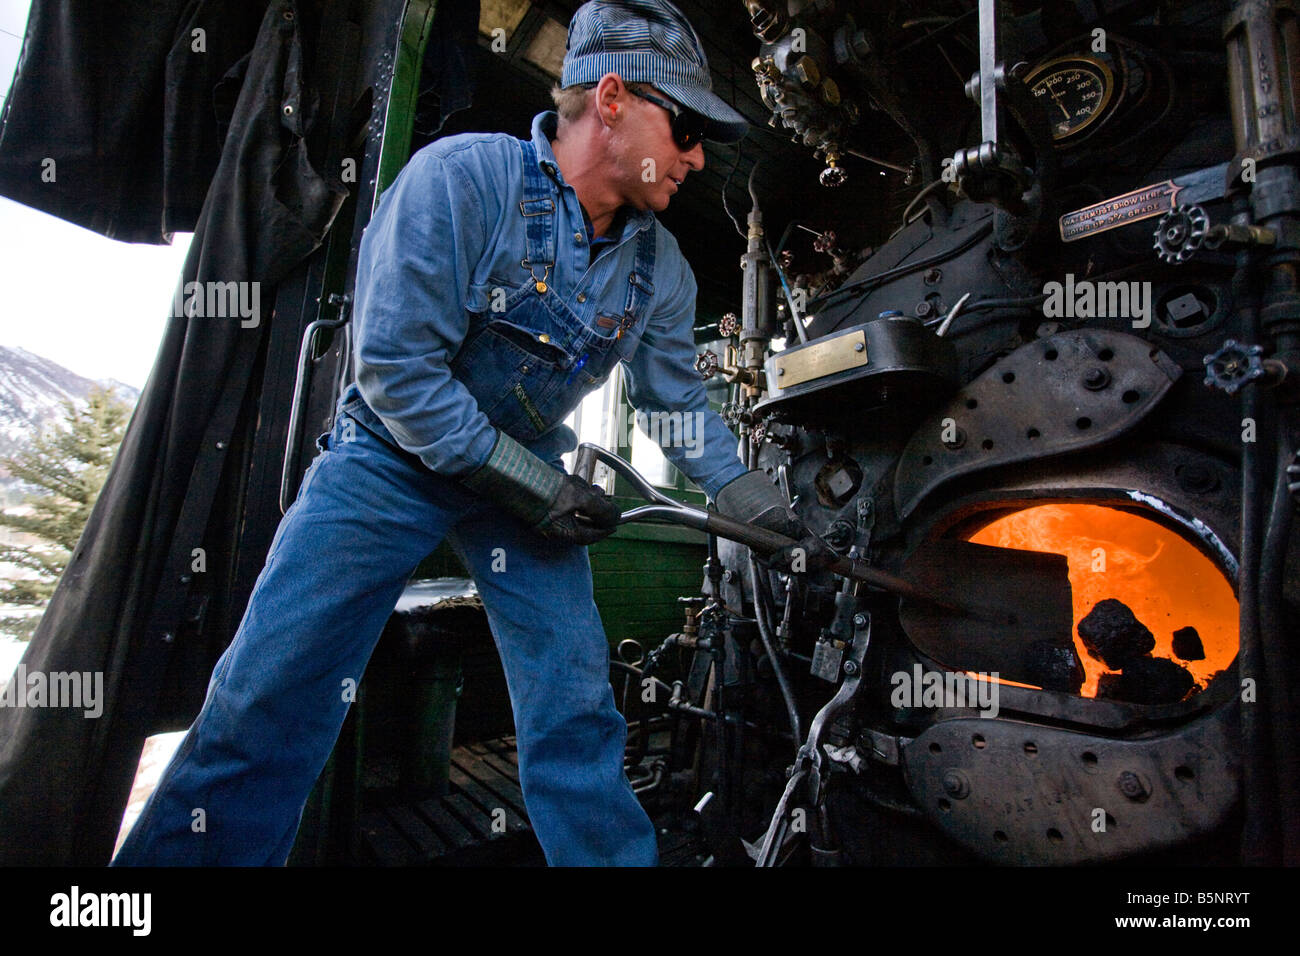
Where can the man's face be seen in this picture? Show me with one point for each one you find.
(650, 165)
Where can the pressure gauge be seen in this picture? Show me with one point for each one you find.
(1075, 90)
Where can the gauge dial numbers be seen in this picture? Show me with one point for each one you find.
(1075, 90)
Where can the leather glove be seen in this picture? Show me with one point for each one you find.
(561, 507)
(580, 514)
(753, 499)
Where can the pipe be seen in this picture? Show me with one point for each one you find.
(765, 632)
(1279, 635)
(1259, 831)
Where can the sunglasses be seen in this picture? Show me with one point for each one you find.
(688, 126)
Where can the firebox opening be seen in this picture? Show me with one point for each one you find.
(1154, 618)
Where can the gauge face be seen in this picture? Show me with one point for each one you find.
(1075, 91)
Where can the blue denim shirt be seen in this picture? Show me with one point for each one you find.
(446, 236)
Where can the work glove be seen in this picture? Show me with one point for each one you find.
(559, 506)
(753, 499)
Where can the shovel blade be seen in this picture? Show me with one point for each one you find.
(1019, 620)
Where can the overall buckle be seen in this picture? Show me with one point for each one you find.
(538, 284)
(549, 206)
(642, 282)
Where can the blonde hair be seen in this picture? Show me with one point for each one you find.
(571, 101)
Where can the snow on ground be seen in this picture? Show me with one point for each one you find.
(11, 651)
(157, 754)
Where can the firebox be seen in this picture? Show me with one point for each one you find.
(1155, 616)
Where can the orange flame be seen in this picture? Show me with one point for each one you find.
(1165, 581)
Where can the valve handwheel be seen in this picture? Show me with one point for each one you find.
(733, 413)
(1233, 366)
(1180, 233)
(706, 363)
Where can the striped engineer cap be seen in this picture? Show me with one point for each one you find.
(647, 41)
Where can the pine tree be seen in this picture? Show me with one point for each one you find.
(70, 464)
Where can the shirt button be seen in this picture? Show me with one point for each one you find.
(577, 237)
(582, 297)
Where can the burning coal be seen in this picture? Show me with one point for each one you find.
(1166, 587)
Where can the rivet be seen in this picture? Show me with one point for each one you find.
(542, 336)
(541, 286)
(288, 109)
(582, 297)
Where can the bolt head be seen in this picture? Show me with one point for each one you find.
(1096, 378)
(1131, 785)
(956, 784)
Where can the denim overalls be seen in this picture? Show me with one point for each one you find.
(528, 359)
(529, 364)
(366, 514)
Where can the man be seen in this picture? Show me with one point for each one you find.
(498, 282)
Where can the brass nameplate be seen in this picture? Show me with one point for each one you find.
(820, 358)
(1140, 204)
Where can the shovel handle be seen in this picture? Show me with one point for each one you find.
(760, 539)
(766, 542)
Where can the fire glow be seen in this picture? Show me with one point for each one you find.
(1163, 579)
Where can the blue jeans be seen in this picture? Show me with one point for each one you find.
(365, 516)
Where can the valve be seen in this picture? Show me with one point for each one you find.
(1180, 233)
(734, 413)
(728, 326)
(706, 363)
(1233, 366)
(833, 175)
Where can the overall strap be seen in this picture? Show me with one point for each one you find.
(641, 280)
(538, 210)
